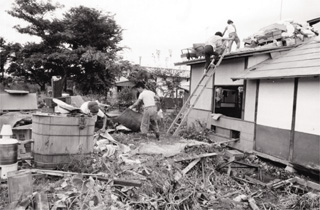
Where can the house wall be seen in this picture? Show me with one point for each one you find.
(228, 125)
(306, 145)
(251, 87)
(205, 100)
(224, 126)
(228, 69)
(274, 117)
(250, 100)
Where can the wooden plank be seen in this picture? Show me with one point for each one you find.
(293, 121)
(195, 157)
(289, 65)
(97, 176)
(310, 184)
(179, 175)
(19, 185)
(234, 124)
(275, 159)
(253, 204)
(297, 57)
(41, 201)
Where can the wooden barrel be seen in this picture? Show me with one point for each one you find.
(58, 139)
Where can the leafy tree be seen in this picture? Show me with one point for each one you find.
(7, 54)
(83, 45)
(171, 80)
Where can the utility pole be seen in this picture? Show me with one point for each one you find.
(281, 10)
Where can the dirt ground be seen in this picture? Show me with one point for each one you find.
(128, 171)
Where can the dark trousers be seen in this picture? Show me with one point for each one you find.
(208, 52)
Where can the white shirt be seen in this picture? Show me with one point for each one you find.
(231, 28)
(215, 41)
(147, 96)
(84, 109)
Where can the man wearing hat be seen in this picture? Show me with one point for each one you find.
(149, 111)
(92, 107)
(232, 31)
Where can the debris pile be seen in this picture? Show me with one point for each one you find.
(124, 173)
(282, 33)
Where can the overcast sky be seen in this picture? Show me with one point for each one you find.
(172, 25)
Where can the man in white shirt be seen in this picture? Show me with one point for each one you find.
(149, 118)
(214, 46)
(232, 31)
(92, 107)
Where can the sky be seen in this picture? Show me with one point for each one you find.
(155, 31)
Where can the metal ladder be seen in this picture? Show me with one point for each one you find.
(187, 107)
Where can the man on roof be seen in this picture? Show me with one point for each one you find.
(214, 46)
(232, 33)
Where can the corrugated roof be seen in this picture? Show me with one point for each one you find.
(302, 61)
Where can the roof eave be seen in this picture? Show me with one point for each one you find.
(240, 54)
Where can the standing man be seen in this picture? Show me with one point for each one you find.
(232, 31)
(149, 118)
(92, 107)
(214, 46)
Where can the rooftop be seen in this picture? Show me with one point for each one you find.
(302, 61)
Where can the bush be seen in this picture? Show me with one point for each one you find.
(126, 97)
(198, 131)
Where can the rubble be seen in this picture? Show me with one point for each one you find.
(126, 172)
(198, 176)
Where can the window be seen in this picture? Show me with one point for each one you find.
(228, 100)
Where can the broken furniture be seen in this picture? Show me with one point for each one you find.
(195, 52)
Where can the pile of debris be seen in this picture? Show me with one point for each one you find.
(282, 33)
(126, 172)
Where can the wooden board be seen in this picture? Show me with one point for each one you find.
(19, 184)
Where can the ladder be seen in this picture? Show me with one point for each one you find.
(188, 106)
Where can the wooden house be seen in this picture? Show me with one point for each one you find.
(269, 99)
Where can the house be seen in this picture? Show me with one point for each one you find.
(269, 98)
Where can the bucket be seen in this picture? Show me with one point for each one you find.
(58, 139)
(130, 119)
(8, 151)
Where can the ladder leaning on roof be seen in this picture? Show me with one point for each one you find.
(188, 105)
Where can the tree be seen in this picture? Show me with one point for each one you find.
(83, 45)
(171, 80)
(7, 54)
